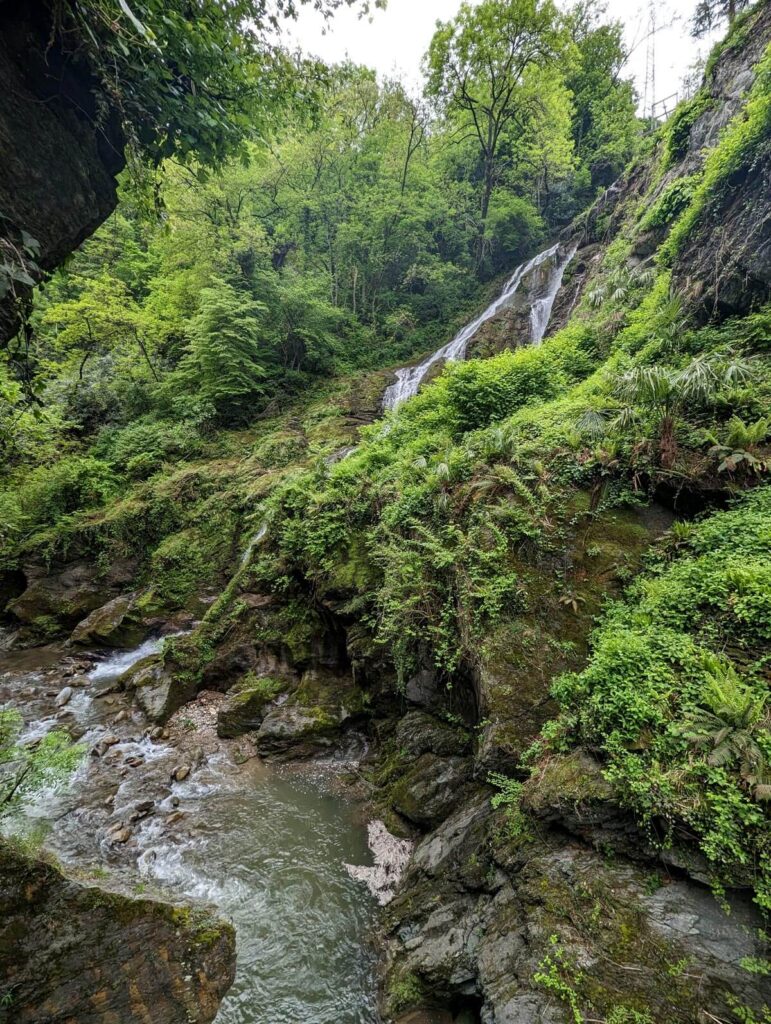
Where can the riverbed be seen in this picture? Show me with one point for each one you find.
(268, 847)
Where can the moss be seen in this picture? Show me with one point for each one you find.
(404, 993)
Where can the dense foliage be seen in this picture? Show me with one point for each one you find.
(193, 390)
(190, 80)
(675, 697)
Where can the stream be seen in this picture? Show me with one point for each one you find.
(267, 847)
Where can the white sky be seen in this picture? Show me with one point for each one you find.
(393, 41)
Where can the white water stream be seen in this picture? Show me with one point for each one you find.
(271, 850)
(409, 378)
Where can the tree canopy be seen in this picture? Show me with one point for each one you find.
(192, 79)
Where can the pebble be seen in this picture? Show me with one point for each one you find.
(157, 733)
(120, 717)
(135, 761)
(175, 801)
(120, 835)
(104, 745)
(141, 810)
(181, 772)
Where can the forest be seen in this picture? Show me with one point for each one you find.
(537, 592)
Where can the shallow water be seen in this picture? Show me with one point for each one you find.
(270, 854)
(267, 848)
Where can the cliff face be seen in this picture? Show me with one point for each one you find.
(72, 952)
(61, 146)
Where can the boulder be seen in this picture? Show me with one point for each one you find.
(246, 703)
(431, 789)
(312, 717)
(420, 733)
(157, 689)
(69, 594)
(74, 952)
(112, 625)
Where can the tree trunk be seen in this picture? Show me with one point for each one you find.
(668, 443)
(487, 192)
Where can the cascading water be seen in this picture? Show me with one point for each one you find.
(272, 851)
(409, 378)
(540, 311)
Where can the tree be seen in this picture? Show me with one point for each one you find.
(190, 79)
(605, 125)
(710, 13)
(486, 71)
(224, 361)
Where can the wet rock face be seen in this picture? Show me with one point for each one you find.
(726, 264)
(483, 913)
(71, 952)
(60, 152)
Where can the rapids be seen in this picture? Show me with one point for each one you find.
(268, 848)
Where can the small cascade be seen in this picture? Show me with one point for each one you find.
(120, 662)
(540, 311)
(409, 378)
(258, 538)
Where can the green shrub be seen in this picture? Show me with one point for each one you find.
(73, 483)
(481, 392)
(673, 200)
(684, 728)
(678, 132)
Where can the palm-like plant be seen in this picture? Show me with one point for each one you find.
(665, 393)
(618, 284)
(727, 727)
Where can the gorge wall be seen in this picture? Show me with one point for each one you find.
(62, 147)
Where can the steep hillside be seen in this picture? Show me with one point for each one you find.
(539, 588)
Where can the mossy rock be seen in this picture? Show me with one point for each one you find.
(115, 624)
(312, 717)
(431, 789)
(244, 707)
(158, 689)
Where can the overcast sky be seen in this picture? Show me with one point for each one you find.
(394, 41)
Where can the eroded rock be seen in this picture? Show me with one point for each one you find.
(431, 788)
(74, 952)
(246, 704)
(312, 717)
(111, 625)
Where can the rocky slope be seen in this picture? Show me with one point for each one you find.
(554, 904)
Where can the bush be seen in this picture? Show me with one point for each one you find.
(670, 204)
(679, 128)
(481, 392)
(142, 448)
(74, 483)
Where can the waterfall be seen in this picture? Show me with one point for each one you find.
(409, 378)
(540, 311)
(258, 538)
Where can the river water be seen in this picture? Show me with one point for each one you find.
(267, 847)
